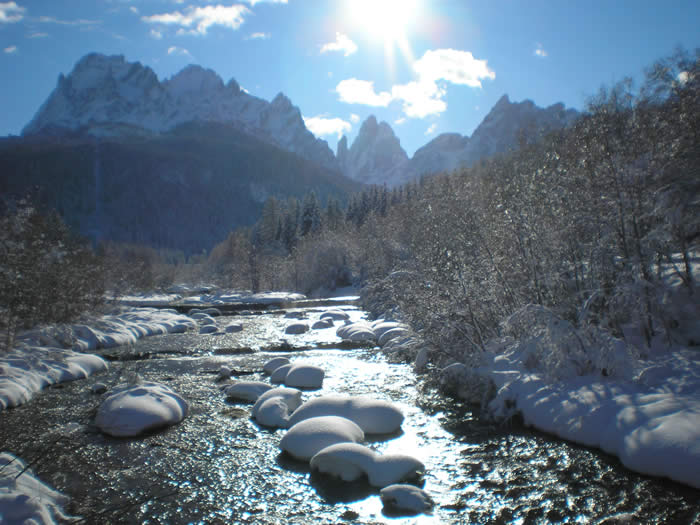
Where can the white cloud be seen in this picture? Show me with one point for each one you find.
(540, 51)
(421, 98)
(174, 50)
(198, 20)
(11, 49)
(354, 118)
(156, 34)
(342, 43)
(258, 36)
(431, 129)
(322, 126)
(253, 2)
(425, 96)
(134, 9)
(399, 121)
(452, 65)
(37, 34)
(354, 91)
(10, 12)
(77, 22)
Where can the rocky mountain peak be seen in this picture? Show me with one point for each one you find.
(194, 80)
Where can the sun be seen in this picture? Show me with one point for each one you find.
(388, 20)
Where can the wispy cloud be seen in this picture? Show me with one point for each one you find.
(76, 22)
(156, 34)
(322, 126)
(37, 34)
(399, 121)
(10, 12)
(198, 20)
(354, 91)
(342, 43)
(258, 36)
(424, 96)
(134, 9)
(181, 51)
(354, 118)
(253, 2)
(540, 51)
(431, 129)
(10, 50)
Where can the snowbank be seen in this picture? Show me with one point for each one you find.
(407, 498)
(598, 394)
(244, 297)
(146, 299)
(246, 390)
(131, 410)
(51, 355)
(26, 499)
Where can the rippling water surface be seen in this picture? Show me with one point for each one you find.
(218, 466)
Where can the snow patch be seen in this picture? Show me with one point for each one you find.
(307, 438)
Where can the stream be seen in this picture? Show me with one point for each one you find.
(219, 466)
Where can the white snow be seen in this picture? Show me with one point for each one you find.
(349, 461)
(326, 322)
(307, 438)
(24, 498)
(149, 299)
(374, 416)
(359, 331)
(280, 374)
(233, 328)
(273, 407)
(246, 390)
(227, 297)
(274, 363)
(208, 329)
(335, 315)
(406, 497)
(597, 393)
(297, 328)
(131, 410)
(301, 375)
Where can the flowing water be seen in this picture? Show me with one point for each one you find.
(218, 466)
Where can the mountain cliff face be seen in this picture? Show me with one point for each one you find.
(108, 96)
(375, 151)
(377, 160)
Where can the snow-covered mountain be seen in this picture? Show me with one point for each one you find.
(375, 152)
(106, 95)
(381, 160)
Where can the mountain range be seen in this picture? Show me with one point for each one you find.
(107, 96)
(181, 162)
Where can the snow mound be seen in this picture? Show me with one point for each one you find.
(406, 498)
(349, 461)
(390, 334)
(307, 438)
(373, 416)
(273, 407)
(24, 498)
(298, 375)
(131, 410)
(208, 329)
(335, 315)
(246, 390)
(274, 364)
(356, 332)
(233, 328)
(297, 328)
(322, 323)
(280, 374)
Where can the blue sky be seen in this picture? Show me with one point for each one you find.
(425, 66)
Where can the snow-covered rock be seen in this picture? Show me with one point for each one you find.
(233, 328)
(24, 498)
(106, 95)
(131, 410)
(307, 438)
(301, 375)
(322, 323)
(246, 390)
(272, 409)
(274, 363)
(297, 328)
(208, 329)
(406, 498)
(390, 334)
(374, 416)
(280, 374)
(335, 315)
(356, 332)
(349, 461)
